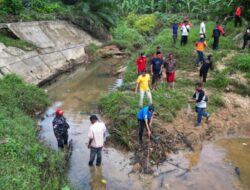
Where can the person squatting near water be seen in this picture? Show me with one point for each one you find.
(60, 128)
(96, 137)
(145, 119)
(143, 83)
(170, 66)
(206, 65)
(200, 99)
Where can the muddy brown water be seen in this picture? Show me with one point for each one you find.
(77, 93)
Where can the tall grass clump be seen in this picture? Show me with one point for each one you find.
(25, 163)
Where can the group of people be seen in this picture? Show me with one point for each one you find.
(144, 84)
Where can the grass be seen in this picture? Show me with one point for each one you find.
(8, 41)
(25, 163)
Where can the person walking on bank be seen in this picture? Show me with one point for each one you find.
(246, 37)
(96, 137)
(203, 28)
(170, 66)
(145, 119)
(60, 128)
(158, 53)
(143, 83)
(200, 99)
(156, 69)
(218, 30)
(185, 30)
(207, 64)
(141, 62)
(175, 32)
(237, 17)
(201, 44)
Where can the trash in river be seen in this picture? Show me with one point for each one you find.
(103, 181)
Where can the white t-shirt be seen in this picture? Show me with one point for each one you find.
(185, 30)
(202, 28)
(97, 133)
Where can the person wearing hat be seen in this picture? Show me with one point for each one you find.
(206, 65)
(141, 62)
(200, 45)
(145, 119)
(96, 137)
(60, 128)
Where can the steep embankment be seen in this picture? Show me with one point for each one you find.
(59, 46)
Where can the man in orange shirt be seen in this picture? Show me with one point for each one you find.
(200, 46)
(237, 17)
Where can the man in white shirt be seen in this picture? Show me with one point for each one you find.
(185, 30)
(203, 28)
(96, 140)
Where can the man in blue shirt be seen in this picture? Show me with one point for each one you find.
(175, 32)
(145, 118)
(156, 68)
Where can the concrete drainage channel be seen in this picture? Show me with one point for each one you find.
(59, 46)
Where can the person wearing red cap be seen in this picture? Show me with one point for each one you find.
(237, 17)
(60, 127)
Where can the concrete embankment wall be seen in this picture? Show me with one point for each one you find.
(60, 46)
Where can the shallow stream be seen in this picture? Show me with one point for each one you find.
(77, 94)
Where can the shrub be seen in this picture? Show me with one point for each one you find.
(12, 6)
(220, 81)
(127, 36)
(241, 62)
(145, 24)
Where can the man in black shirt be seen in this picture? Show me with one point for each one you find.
(60, 127)
(246, 37)
(207, 64)
(156, 68)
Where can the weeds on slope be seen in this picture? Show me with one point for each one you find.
(25, 163)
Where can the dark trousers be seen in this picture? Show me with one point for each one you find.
(237, 20)
(184, 40)
(142, 125)
(216, 42)
(174, 38)
(203, 74)
(156, 76)
(246, 38)
(93, 153)
(62, 138)
(200, 57)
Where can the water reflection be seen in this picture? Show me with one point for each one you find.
(98, 182)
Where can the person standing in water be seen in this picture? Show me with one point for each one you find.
(96, 137)
(60, 128)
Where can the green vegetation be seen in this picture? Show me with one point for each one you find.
(121, 106)
(8, 41)
(25, 163)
